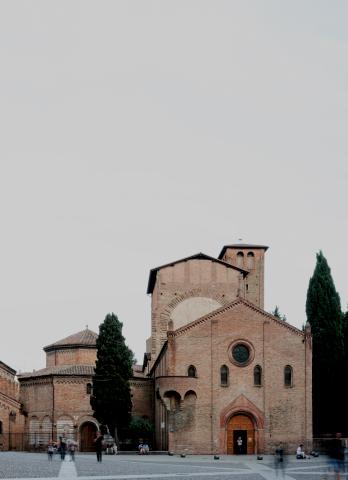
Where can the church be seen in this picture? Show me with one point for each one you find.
(220, 375)
(222, 367)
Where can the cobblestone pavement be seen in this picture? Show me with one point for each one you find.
(124, 467)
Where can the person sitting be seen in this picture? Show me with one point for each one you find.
(146, 448)
(141, 448)
(300, 454)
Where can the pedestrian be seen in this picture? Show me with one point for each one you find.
(239, 445)
(72, 449)
(336, 455)
(279, 460)
(62, 448)
(50, 451)
(99, 446)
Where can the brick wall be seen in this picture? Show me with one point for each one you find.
(278, 412)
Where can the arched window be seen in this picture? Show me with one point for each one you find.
(288, 376)
(89, 388)
(1, 427)
(250, 260)
(224, 374)
(258, 375)
(240, 259)
(191, 371)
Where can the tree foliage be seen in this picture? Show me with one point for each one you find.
(141, 426)
(111, 400)
(276, 313)
(324, 314)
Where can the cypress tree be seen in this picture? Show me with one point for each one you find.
(111, 399)
(323, 308)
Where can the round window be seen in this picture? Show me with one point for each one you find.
(240, 353)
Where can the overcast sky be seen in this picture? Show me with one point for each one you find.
(135, 133)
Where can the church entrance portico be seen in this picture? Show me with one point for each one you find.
(240, 435)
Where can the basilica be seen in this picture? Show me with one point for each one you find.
(220, 375)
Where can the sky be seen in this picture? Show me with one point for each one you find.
(135, 133)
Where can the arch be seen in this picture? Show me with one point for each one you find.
(250, 260)
(192, 308)
(172, 400)
(240, 426)
(190, 394)
(240, 259)
(224, 375)
(65, 426)
(258, 375)
(34, 430)
(87, 431)
(46, 430)
(242, 406)
(192, 371)
(288, 376)
(195, 292)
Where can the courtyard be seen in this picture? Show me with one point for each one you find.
(245, 467)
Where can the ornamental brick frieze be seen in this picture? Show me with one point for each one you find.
(71, 380)
(37, 381)
(134, 383)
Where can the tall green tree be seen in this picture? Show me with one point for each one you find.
(111, 399)
(323, 308)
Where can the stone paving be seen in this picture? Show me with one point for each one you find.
(124, 467)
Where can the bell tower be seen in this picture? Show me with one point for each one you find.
(251, 259)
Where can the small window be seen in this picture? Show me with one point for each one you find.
(192, 372)
(89, 388)
(258, 376)
(288, 376)
(224, 374)
(1, 428)
(240, 259)
(250, 261)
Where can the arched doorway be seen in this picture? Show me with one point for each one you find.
(88, 431)
(240, 426)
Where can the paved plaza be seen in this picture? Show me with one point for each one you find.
(85, 467)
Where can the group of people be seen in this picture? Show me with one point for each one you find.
(143, 448)
(63, 447)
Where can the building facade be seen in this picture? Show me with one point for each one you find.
(222, 367)
(217, 368)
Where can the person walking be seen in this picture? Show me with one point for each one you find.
(72, 449)
(50, 451)
(62, 447)
(279, 460)
(336, 455)
(99, 446)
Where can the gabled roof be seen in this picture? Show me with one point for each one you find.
(241, 246)
(63, 370)
(197, 256)
(85, 339)
(8, 369)
(230, 306)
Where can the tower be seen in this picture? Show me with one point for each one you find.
(250, 258)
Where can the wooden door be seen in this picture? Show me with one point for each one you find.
(88, 432)
(240, 425)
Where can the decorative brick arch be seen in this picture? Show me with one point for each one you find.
(242, 406)
(204, 292)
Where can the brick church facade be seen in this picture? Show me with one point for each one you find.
(216, 367)
(222, 367)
